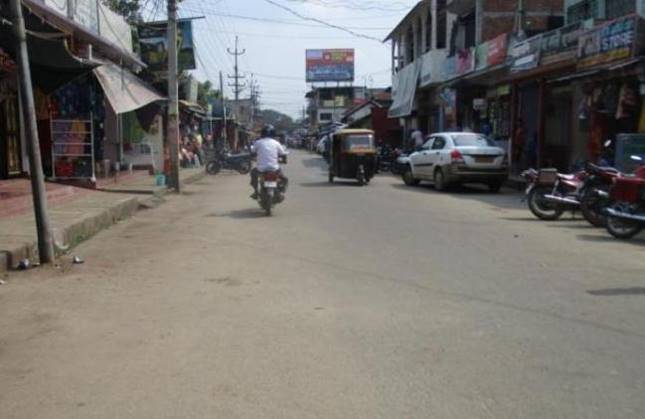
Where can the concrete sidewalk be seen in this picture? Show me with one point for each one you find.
(80, 218)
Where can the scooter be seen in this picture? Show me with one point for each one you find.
(626, 215)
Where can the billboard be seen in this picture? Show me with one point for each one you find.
(330, 65)
(154, 45)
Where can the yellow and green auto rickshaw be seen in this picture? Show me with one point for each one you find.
(352, 155)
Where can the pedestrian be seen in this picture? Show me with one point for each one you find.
(417, 139)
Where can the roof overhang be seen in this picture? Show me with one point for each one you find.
(407, 18)
(64, 24)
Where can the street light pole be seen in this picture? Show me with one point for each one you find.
(173, 97)
(45, 239)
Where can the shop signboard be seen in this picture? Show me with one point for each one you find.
(481, 56)
(324, 65)
(154, 45)
(525, 55)
(616, 40)
(449, 68)
(560, 44)
(497, 50)
(465, 61)
(86, 13)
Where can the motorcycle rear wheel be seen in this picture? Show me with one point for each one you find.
(592, 207)
(540, 207)
(623, 229)
(213, 167)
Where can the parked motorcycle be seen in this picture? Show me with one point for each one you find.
(595, 197)
(216, 160)
(549, 193)
(626, 215)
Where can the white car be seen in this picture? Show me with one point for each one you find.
(449, 158)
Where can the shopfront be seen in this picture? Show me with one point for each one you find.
(10, 144)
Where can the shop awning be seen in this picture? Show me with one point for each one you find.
(403, 94)
(194, 108)
(125, 91)
(52, 64)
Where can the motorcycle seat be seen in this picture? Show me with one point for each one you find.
(566, 177)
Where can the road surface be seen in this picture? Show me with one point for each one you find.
(379, 302)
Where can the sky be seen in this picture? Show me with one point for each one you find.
(275, 50)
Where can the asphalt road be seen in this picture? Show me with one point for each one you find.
(384, 301)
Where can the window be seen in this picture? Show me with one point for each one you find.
(428, 144)
(429, 32)
(358, 141)
(442, 24)
(582, 11)
(439, 143)
(472, 140)
(618, 8)
(419, 43)
(409, 46)
(326, 116)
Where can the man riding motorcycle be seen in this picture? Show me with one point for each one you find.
(268, 152)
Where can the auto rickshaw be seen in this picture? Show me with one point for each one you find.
(352, 155)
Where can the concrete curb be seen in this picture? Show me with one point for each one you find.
(83, 229)
(74, 234)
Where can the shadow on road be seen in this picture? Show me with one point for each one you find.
(608, 292)
(241, 214)
(606, 238)
(505, 199)
(325, 184)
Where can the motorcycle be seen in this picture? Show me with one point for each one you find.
(216, 160)
(626, 214)
(549, 193)
(595, 193)
(272, 189)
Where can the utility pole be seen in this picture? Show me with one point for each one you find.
(237, 86)
(173, 97)
(221, 92)
(45, 239)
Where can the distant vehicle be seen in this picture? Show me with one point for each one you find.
(450, 158)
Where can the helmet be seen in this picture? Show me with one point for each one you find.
(268, 131)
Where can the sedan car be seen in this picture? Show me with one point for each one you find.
(450, 158)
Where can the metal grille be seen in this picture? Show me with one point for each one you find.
(618, 8)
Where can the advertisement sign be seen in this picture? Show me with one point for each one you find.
(497, 48)
(329, 65)
(85, 13)
(559, 44)
(449, 68)
(525, 55)
(406, 86)
(481, 56)
(465, 61)
(613, 41)
(154, 45)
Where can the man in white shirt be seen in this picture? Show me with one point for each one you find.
(268, 152)
(417, 138)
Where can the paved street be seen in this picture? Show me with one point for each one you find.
(379, 302)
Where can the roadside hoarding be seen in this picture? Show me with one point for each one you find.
(154, 45)
(616, 40)
(324, 65)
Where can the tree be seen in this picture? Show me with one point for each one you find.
(206, 94)
(280, 121)
(129, 9)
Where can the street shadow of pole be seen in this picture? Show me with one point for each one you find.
(606, 238)
(505, 199)
(247, 213)
(609, 292)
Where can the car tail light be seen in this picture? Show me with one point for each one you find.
(456, 157)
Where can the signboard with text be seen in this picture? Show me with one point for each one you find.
(525, 55)
(613, 41)
(154, 45)
(331, 65)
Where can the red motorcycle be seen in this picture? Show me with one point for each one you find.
(626, 215)
(594, 196)
(549, 193)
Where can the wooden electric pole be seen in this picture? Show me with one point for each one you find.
(173, 97)
(45, 239)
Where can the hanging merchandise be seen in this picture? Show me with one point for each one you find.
(627, 102)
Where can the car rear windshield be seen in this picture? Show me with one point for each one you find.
(358, 141)
(470, 140)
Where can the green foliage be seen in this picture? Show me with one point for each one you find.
(280, 121)
(129, 9)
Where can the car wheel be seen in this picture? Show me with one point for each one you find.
(408, 178)
(439, 180)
